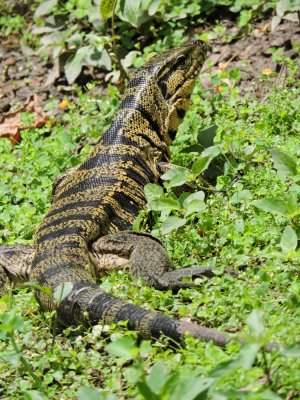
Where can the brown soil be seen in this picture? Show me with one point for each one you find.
(23, 73)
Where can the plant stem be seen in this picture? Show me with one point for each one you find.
(25, 364)
(123, 74)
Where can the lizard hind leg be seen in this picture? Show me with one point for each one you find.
(15, 265)
(145, 257)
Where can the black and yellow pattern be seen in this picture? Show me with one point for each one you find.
(93, 203)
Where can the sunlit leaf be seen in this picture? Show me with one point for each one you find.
(46, 7)
(172, 223)
(106, 8)
(283, 163)
(62, 291)
(123, 347)
(289, 240)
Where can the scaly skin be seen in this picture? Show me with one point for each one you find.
(103, 197)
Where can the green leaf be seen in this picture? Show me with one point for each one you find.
(146, 392)
(88, 393)
(153, 192)
(244, 18)
(46, 7)
(157, 377)
(123, 347)
(98, 57)
(206, 137)
(256, 324)
(275, 22)
(212, 151)
(164, 204)
(194, 148)
(289, 240)
(200, 165)
(74, 64)
(176, 176)
(130, 10)
(291, 351)
(62, 291)
(194, 203)
(225, 368)
(284, 164)
(264, 395)
(34, 395)
(248, 353)
(191, 389)
(172, 223)
(153, 7)
(240, 196)
(272, 205)
(106, 8)
(14, 359)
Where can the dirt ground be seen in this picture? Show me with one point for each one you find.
(23, 73)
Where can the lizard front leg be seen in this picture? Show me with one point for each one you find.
(145, 257)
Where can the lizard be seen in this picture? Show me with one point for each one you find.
(86, 230)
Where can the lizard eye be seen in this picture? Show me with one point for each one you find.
(181, 60)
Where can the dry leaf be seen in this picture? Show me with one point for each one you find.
(11, 123)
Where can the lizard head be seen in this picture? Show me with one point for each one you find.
(175, 72)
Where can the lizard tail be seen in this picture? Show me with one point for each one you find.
(87, 304)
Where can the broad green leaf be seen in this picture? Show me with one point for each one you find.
(74, 64)
(153, 192)
(289, 240)
(225, 368)
(212, 151)
(240, 196)
(150, 5)
(106, 8)
(292, 205)
(46, 7)
(248, 353)
(191, 389)
(200, 165)
(34, 395)
(264, 395)
(194, 148)
(89, 393)
(206, 137)
(164, 204)
(176, 176)
(11, 321)
(123, 347)
(194, 196)
(172, 223)
(275, 22)
(255, 322)
(281, 7)
(146, 392)
(284, 164)
(272, 205)
(194, 203)
(294, 17)
(291, 351)
(129, 58)
(157, 377)
(62, 291)
(98, 57)
(130, 10)
(14, 359)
